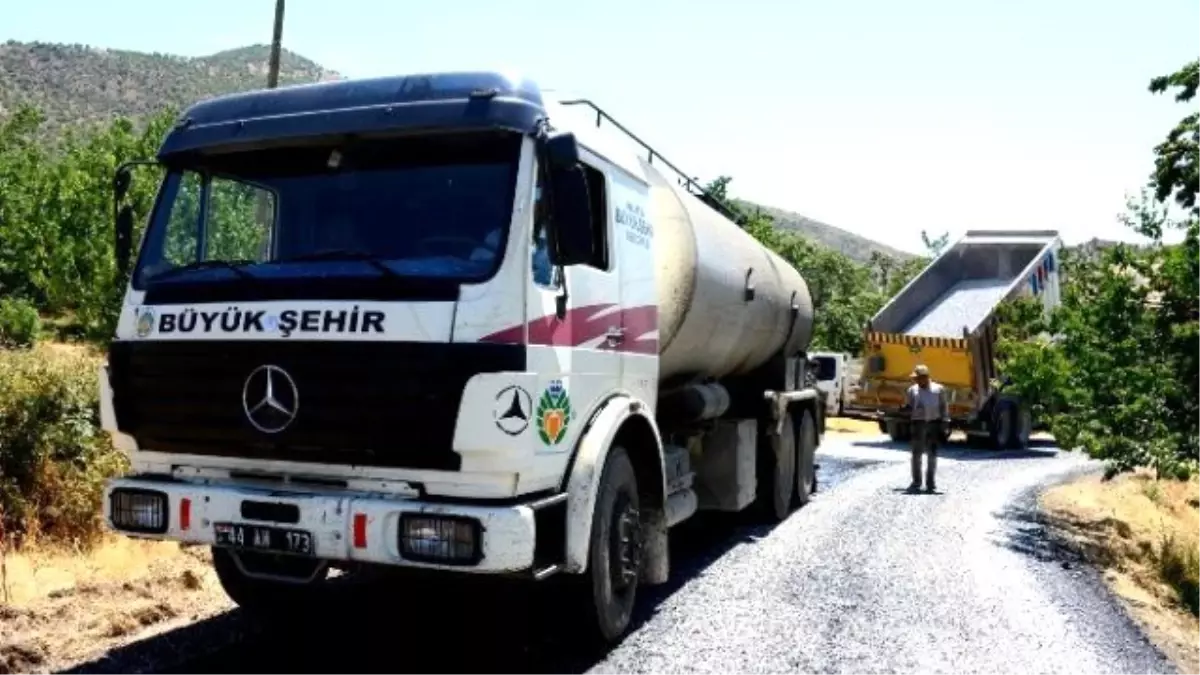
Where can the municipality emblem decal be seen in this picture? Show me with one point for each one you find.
(553, 413)
(145, 322)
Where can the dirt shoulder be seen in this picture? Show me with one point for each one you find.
(59, 608)
(1145, 535)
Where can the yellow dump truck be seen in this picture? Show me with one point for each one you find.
(946, 319)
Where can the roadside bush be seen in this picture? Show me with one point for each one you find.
(54, 457)
(1179, 567)
(20, 325)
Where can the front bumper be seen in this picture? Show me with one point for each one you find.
(349, 527)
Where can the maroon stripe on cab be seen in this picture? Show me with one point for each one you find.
(582, 325)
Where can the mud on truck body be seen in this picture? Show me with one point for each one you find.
(445, 322)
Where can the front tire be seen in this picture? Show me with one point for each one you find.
(615, 549)
(267, 599)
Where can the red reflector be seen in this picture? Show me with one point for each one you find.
(185, 513)
(360, 530)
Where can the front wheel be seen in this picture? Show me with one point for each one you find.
(615, 549)
(297, 590)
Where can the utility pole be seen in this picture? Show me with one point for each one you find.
(262, 207)
(276, 47)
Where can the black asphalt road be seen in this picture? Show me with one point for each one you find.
(866, 578)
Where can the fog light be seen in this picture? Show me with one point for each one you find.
(440, 539)
(138, 510)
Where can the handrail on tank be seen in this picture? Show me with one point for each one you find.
(687, 182)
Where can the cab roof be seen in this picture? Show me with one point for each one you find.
(460, 100)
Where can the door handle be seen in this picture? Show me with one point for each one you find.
(615, 334)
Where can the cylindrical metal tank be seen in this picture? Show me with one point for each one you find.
(709, 322)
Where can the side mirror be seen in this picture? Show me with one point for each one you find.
(124, 239)
(121, 180)
(571, 217)
(562, 150)
(571, 230)
(123, 214)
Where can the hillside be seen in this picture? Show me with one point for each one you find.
(854, 246)
(74, 84)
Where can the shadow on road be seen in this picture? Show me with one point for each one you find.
(1030, 532)
(1038, 449)
(470, 625)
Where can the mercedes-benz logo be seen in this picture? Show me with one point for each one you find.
(512, 409)
(270, 399)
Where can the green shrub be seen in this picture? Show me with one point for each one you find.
(54, 458)
(1179, 567)
(20, 325)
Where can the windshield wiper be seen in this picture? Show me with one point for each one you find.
(345, 254)
(234, 266)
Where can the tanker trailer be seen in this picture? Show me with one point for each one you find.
(566, 348)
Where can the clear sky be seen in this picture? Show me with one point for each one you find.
(882, 117)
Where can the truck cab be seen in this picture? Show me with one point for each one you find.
(833, 380)
(413, 322)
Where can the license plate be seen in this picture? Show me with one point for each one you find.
(262, 538)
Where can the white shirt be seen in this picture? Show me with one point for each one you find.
(928, 405)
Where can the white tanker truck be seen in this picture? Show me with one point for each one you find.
(415, 322)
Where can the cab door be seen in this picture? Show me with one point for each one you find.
(575, 323)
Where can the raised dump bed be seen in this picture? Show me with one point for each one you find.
(965, 305)
(945, 319)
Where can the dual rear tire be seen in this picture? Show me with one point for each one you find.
(787, 467)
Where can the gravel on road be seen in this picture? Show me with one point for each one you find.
(865, 578)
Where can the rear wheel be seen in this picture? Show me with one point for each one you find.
(777, 474)
(1003, 427)
(806, 453)
(1024, 428)
(615, 549)
(899, 431)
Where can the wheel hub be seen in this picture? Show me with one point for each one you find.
(625, 545)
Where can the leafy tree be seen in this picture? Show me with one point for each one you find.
(1119, 378)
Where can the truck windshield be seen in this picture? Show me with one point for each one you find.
(431, 206)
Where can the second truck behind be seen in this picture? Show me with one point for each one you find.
(947, 319)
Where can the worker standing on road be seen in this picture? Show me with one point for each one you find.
(926, 400)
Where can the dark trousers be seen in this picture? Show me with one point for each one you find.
(925, 439)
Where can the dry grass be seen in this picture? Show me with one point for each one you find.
(65, 607)
(1145, 533)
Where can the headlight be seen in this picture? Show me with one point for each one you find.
(450, 540)
(136, 510)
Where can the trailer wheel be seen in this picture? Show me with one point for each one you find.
(777, 472)
(806, 452)
(1003, 426)
(265, 599)
(615, 549)
(1024, 427)
(899, 431)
